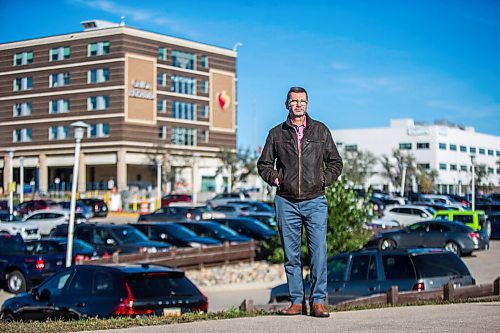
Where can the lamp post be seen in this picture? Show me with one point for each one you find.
(11, 181)
(80, 128)
(403, 179)
(158, 180)
(196, 159)
(472, 160)
(21, 179)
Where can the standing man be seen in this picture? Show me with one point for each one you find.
(301, 159)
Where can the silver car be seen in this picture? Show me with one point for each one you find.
(46, 220)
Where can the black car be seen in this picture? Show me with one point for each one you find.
(453, 236)
(174, 214)
(109, 238)
(89, 291)
(215, 231)
(81, 250)
(98, 205)
(372, 271)
(495, 225)
(174, 234)
(248, 227)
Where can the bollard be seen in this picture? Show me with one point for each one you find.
(496, 287)
(392, 295)
(448, 291)
(134, 203)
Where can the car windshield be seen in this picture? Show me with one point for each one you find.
(158, 285)
(10, 244)
(179, 231)
(129, 235)
(430, 210)
(9, 218)
(253, 224)
(221, 231)
(78, 246)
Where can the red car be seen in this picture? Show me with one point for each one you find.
(170, 198)
(30, 206)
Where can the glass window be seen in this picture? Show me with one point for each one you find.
(22, 109)
(398, 267)
(405, 146)
(162, 53)
(145, 286)
(490, 152)
(204, 136)
(442, 166)
(21, 135)
(490, 170)
(498, 153)
(472, 150)
(208, 183)
(98, 130)
(97, 49)
(463, 149)
(56, 283)
(162, 105)
(59, 106)
(423, 145)
(204, 111)
(204, 61)
(360, 268)
(463, 167)
(58, 133)
(183, 85)
(183, 110)
(162, 132)
(23, 83)
(337, 268)
(183, 59)
(453, 147)
(59, 80)
(481, 151)
(183, 136)
(439, 264)
(98, 75)
(162, 79)
(351, 147)
(59, 53)
(442, 146)
(97, 103)
(204, 86)
(453, 167)
(23, 58)
(425, 166)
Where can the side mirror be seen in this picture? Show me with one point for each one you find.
(44, 295)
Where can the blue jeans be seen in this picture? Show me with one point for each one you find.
(291, 216)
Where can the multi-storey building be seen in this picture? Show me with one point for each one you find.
(444, 147)
(145, 96)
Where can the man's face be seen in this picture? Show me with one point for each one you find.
(297, 104)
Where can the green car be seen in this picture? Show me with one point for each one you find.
(475, 219)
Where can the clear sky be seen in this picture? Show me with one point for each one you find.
(362, 62)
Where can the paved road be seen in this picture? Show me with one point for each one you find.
(473, 317)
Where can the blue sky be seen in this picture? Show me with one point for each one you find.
(362, 62)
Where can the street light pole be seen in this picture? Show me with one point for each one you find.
(472, 159)
(21, 179)
(403, 179)
(80, 128)
(158, 180)
(11, 180)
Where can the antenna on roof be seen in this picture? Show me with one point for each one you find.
(122, 22)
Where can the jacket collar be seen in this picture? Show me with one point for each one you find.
(309, 121)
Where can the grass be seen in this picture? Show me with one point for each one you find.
(125, 322)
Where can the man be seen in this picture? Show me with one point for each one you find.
(306, 160)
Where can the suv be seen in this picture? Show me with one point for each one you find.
(27, 207)
(371, 271)
(171, 198)
(224, 198)
(98, 205)
(476, 219)
(408, 214)
(88, 291)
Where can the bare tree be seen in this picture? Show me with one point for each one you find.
(358, 165)
(394, 165)
(241, 164)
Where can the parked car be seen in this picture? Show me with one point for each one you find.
(81, 251)
(109, 238)
(441, 199)
(46, 220)
(258, 206)
(408, 214)
(19, 270)
(477, 219)
(171, 198)
(99, 206)
(4, 205)
(30, 206)
(253, 209)
(177, 214)
(452, 236)
(233, 210)
(224, 198)
(173, 233)
(494, 220)
(436, 206)
(80, 207)
(372, 271)
(248, 227)
(488, 209)
(13, 225)
(216, 231)
(88, 291)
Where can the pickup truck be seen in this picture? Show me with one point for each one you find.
(20, 270)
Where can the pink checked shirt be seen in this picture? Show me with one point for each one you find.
(299, 130)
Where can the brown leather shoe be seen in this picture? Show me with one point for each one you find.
(293, 310)
(318, 310)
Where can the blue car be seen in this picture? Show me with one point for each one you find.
(216, 231)
(249, 227)
(174, 234)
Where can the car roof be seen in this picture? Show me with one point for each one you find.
(134, 268)
(411, 251)
(460, 212)
(58, 211)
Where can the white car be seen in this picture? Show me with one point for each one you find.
(408, 214)
(46, 220)
(224, 198)
(14, 225)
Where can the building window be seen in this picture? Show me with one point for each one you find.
(183, 85)
(498, 153)
(162, 132)
(423, 145)
(162, 105)
(59, 53)
(208, 183)
(183, 59)
(59, 106)
(453, 167)
(23, 83)
(162, 79)
(97, 49)
(204, 111)
(23, 58)
(204, 136)
(183, 136)
(491, 170)
(442, 166)
(183, 110)
(21, 135)
(98, 130)
(204, 86)
(162, 53)
(424, 166)
(472, 150)
(453, 147)
(97, 103)
(463, 149)
(98, 75)
(22, 109)
(351, 148)
(481, 151)
(463, 167)
(490, 152)
(59, 80)
(204, 61)
(442, 146)
(58, 133)
(405, 146)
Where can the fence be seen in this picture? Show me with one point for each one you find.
(188, 257)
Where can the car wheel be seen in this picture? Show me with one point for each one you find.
(8, 317)
(387, 244)
(453, 247)
(16, 283)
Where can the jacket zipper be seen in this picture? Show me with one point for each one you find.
(300, 164)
